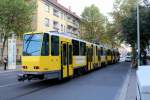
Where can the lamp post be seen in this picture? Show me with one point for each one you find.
(138, 33)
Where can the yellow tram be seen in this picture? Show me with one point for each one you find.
(53, 55)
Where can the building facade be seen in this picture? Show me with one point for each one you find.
(49, 16)
(52, 16)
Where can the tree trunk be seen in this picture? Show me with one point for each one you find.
(134, 58)
(3, 48)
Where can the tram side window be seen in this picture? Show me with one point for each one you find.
(82, 49)
(91, 53)
(54, 45)
(108, 52)
(96, 51)
(104, 52)
(70, 54)
(101, 52)
(65, 54)
(45, 45)
(75, 47)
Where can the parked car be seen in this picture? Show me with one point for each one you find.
(128, 59)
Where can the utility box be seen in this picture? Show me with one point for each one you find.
(143, 82)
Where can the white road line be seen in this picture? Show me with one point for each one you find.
(7, 71)
(2, 86)
(10, 77)
(8, 74)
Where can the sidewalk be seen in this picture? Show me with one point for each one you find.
(148, 62)
(131, 88)
(9, 70)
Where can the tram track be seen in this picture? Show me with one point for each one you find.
(26, 88)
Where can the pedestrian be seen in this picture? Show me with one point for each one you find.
(5, 63)
(143, 57)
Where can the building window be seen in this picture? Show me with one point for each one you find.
(55, 25)
(46, 7)
(62, 27)
(62, 15)
(46, 22)
(68, 18)
(55, 12)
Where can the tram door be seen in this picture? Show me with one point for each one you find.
(66, 60)
(88, 58)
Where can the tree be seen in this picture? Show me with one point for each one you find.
(125, 18)
(15, 16)
(122, 10)
(92, 23)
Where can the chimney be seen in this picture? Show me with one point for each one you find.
(74, 13)
(69, 8)
(54, 0)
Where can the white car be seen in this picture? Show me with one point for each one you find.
(128, 59)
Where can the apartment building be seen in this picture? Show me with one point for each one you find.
(52, 16)
(49, 16)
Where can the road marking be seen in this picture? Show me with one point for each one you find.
(2, 86)
(6, 78)
(8, 75)
(123, 91)
(7, 71)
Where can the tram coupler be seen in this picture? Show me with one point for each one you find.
(22, 77)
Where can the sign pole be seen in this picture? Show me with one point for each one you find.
(12, 52)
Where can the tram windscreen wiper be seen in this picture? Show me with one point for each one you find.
(29, 39)
(34, 51)
(32, 44)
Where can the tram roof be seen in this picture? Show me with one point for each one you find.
(62, 35)
(70, 37)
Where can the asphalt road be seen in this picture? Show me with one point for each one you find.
(102, 84)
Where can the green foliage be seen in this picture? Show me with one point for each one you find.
(92, 23)
(96, 27)
(15, 16)
(126, 23)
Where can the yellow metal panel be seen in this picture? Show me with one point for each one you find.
(109, 58)
(45, 63)
(79, 61)
(103, 59)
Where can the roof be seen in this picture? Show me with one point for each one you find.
(62, 35)
(63, 8)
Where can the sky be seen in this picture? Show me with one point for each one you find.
(77, 6)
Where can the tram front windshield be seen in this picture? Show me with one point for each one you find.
(32, 44)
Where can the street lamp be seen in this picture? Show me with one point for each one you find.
(138, 33)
